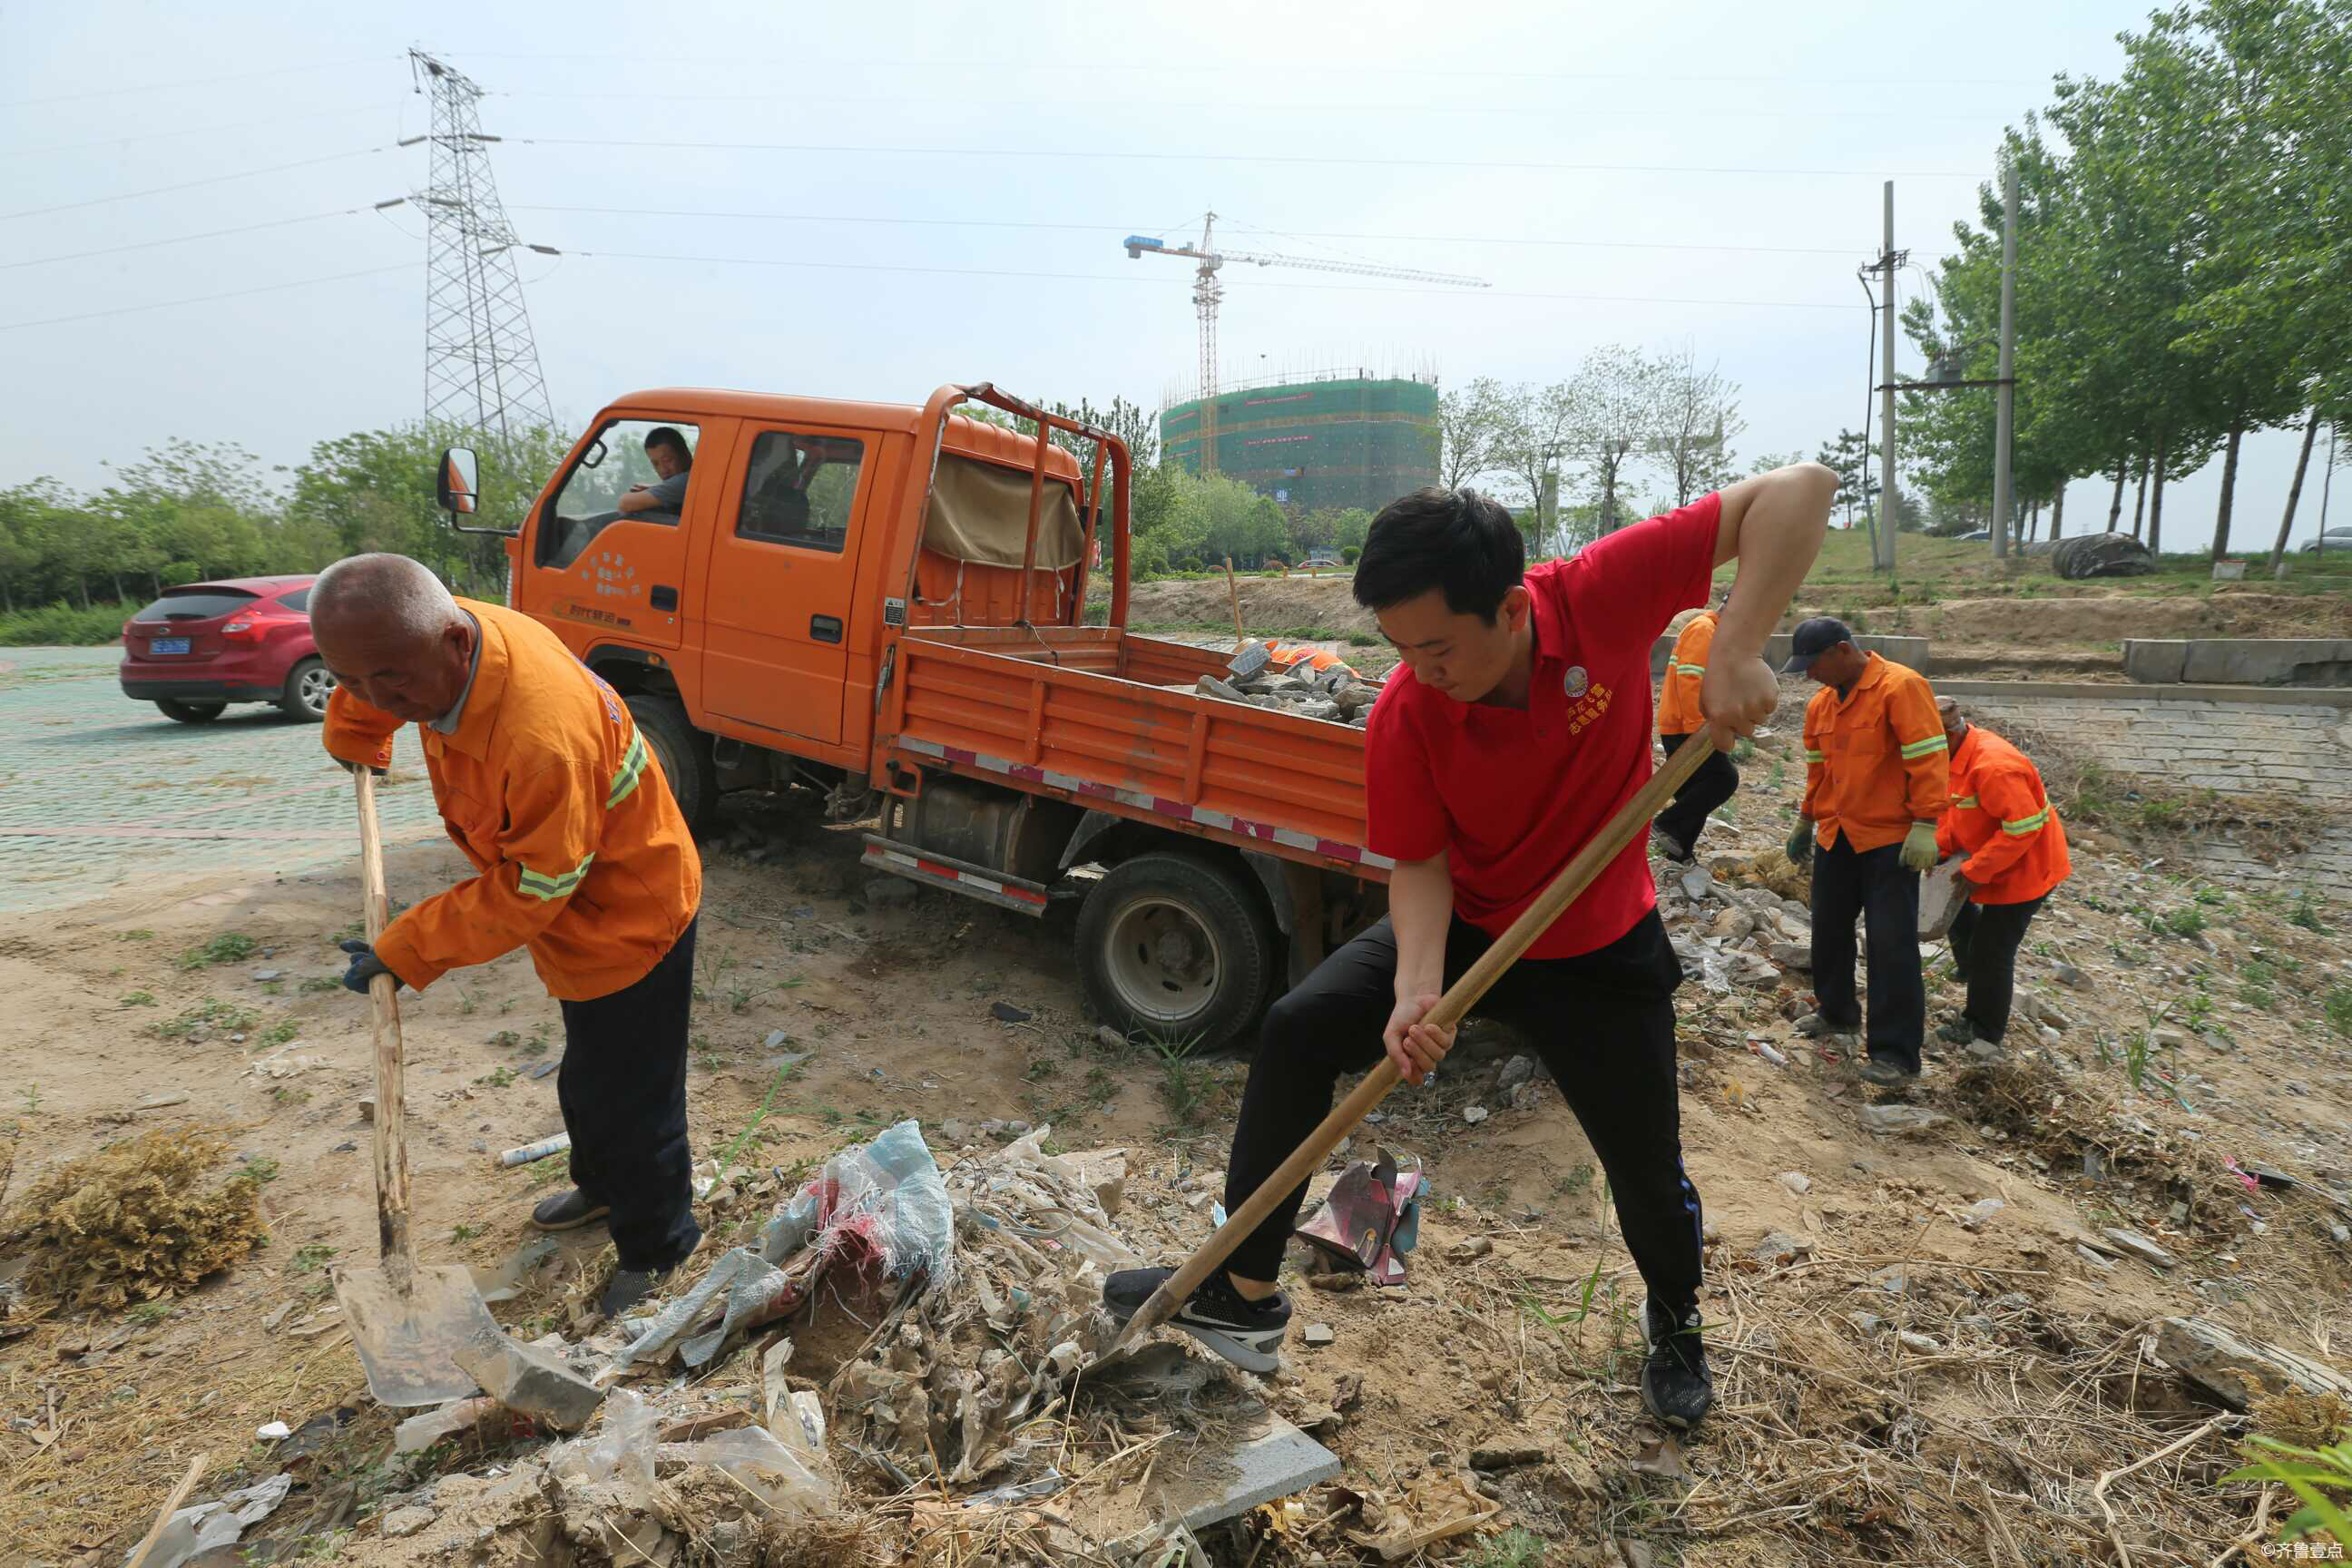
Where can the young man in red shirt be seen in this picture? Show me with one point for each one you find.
(1517, 725)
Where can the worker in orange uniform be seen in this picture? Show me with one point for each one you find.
(1675, 832)
(2001, 819)
(1874, 786)
(580, 854)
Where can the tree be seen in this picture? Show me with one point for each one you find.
(1473, 422)
(1855, 461)
(1618, 399)
(1128, 421)
(1697, 416)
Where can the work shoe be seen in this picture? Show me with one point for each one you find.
(1958, 1032)
(1674, 1382)
(628, 1286)
(1672, 847)
(568, 1211)
(1886, 1075)
(1246, 1333)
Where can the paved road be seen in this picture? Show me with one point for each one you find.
(98, 792)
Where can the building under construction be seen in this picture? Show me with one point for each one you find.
(1327, 441)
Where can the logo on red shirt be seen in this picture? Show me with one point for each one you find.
(1574, 682)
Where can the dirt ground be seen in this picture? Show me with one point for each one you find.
(1896, 1380)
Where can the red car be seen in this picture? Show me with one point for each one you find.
(243, 639)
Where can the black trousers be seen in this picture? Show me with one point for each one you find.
(1876, 885)
(1985, 940)
(1713, 783)
(623, 1089)
(1603, 1023)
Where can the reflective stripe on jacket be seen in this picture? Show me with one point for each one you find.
(1678, 710)
(1875, 758)
(2001, 819)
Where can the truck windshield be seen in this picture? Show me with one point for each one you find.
(635, 470)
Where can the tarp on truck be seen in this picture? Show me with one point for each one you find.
(980, 514)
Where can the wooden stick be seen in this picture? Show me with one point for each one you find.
(1241, 637)
(170, 1506)
(1459, 998)
(2099, 1491)
(391, 1140)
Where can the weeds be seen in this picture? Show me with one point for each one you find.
(311, 1258)
(318, 983)
(465, 1232)
(2338, 1008)
(208, 1015)
(143, 934)
(285, 1096)
(32, 1098)
(147, 1314)
(742, 1139)
(261, 1172)
(2305, 912)
(497, 1077)
(1515, 1548)
(2311, 1474)
(229, 947)
(277, 1034)
(136, 999)
(1183, 1083)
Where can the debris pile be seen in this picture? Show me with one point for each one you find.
(134, 1221)
(1312, 685)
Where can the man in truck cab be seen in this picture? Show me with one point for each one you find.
(665, 449)
(1517, 724)
(579, 855)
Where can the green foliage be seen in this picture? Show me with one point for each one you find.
(310, 1260)
(1515, 1548)
(2316, 1476)
(229, 947)
(2338, 1008)
(62, 625)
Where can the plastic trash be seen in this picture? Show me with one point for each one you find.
(421, 1431)
(271, 1431)
(209, 1526)
(1045, 1486)
(778, 1478)
(620, 1455)
(1370, 1218)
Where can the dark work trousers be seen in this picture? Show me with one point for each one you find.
(623, 1089)
(1875, 885)
(1603, 1023)
(1985, 940)
(1713, 783)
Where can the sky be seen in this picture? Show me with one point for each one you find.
(866, 201)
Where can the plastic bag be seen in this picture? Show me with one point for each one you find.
(886, 1196)
(620, 1456)
(751, 1455)
(208, 1526)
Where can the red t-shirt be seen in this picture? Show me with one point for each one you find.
(1510, 794)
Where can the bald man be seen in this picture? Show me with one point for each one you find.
(579, 854)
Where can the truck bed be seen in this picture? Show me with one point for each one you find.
(1083, 713)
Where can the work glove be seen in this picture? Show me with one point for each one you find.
(366, 966)
(1920, 847)
(1800, 843)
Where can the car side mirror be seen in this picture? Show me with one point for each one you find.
(457, 487)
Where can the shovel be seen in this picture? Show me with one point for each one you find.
(408, 1322)
(1452, 1007)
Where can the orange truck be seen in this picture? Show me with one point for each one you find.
(886, 604)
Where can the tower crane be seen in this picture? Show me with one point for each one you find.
(1208, 290)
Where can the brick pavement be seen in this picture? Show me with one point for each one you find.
(98, 792)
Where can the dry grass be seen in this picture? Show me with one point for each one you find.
(134, 1221)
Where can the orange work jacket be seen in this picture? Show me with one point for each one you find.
(1875, 758)
(552, 792)
(1678, 711)
(2001, 819)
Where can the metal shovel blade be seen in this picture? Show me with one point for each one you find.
(408, 1339)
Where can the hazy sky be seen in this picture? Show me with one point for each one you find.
(950, 184)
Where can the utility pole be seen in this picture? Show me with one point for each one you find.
(2005, 406)
(482, 363)
(1887, 261)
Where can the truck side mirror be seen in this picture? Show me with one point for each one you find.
(457, 487)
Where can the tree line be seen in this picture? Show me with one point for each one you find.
(2184, 273)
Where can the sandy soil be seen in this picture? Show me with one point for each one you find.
(1516, 1326)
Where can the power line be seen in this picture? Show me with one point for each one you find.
(1156, 281)
(207, 298)
(193, 131)
(191, 81)
(191, 184)
(1107, 228)
(180, 239)
(1032, 154)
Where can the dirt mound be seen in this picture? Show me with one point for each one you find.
(1322, 605)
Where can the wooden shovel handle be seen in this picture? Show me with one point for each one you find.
(391, 1140)
(1452, 1007)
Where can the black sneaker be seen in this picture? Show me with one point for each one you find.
(1887, 1075)
(1246, 1333)
(1670, 847)
(1674, 1382)
(628, 1286)
(1958, 1032)
(568, 1211)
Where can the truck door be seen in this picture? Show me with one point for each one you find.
(620, 569)
(778, 613)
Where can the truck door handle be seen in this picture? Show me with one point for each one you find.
(665, 598)
(825, 628)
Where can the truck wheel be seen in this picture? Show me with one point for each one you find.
(1177, 949)
(190, 712)
(684, 753)
(308, 687)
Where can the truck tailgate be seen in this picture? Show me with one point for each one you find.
(1081, 711)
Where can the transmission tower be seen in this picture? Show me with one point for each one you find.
(481, 364)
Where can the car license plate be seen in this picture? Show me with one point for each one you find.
(168, 645)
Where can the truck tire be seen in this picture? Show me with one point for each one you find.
(308, 687)
(1175, 948)
(684, 753)
(189, 713)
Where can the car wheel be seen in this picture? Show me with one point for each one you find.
(308, 687)
(1175, 948)
(684, 753)
(190, 712)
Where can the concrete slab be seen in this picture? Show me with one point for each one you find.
(1276, 1462)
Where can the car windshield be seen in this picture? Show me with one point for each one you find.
(195, 603)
